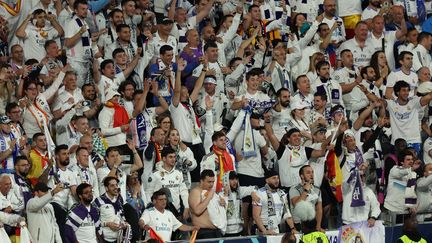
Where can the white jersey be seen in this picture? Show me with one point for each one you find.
(82, 50)
(35, 39)
(86, 233)
(173, 180)
(281, 122)
(64, 198)
(385, 43)
(361, 55)
(164, 223)
(346, 75)
(279, 205)
(404, 120)
(398, 74)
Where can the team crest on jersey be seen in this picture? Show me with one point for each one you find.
(150, 179)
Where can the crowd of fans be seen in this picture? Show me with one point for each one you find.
(137, 120)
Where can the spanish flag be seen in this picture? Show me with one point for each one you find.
(155, 235)
(334, 174)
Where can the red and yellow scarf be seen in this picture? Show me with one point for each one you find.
(225, 165)
(121, 116)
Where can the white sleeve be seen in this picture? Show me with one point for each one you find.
(229, 35)
(104, 122)
(37, 203)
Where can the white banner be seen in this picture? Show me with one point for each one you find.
(360, 232)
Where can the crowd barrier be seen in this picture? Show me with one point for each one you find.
(391, 235)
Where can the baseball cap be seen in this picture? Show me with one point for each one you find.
(166, 21)
(4, 119)
(40, 186)
(298, 105)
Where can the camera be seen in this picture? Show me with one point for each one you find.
(85, 103)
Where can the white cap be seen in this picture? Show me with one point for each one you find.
(298, 105)
(110, 94)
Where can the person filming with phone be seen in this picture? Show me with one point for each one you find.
(306, 191)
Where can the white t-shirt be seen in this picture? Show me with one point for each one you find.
(86, 233)
(349, 8)
(279, 199)
(389, 40)
(163, 223)
(398, 75)
(281, 122)
(361, 55)
(184, 121)
(404, 120)
(35, 39)
(250, 166)
(68, 178)
(78, 52)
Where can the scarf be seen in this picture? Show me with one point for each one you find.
(117, 205)
(410, 194)
(158, 150)
(249, 148)
(40, 114)
(121, 116)
(24, 187)
(195, 122)
(15, 150)
(182, 166)
(271, 205)
(225, 165)
(140, 132)
(357, 194)
(76, 217)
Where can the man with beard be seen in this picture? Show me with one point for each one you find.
(127, 89)
(20, 184)
(325, 84)
(273, 208)
(152, 154)
(320, 109)
(307, 191)
(405, 73)
(291, 154)
(234, 193)
(372, 10)
(215, 68)
(94, 103)
(63, 200)
(365, 92)
(115, 19)
(123, 41)
(281, 113)
(10, 206)
(83, 224)
(110, 206)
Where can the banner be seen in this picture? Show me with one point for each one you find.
(360, 232)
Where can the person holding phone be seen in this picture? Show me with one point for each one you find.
(306, 191)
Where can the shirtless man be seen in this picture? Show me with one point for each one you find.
(198, 206)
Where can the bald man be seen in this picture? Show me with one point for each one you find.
(9, 204)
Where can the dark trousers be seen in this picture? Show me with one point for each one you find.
(199, 152)
(209, 233)
(132, 218)
(61, 217)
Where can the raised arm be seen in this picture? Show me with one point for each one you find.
(177, 87)
(268, 127)
(199, 83)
